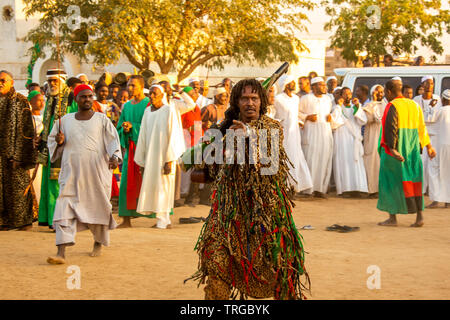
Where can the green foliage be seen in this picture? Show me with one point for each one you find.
(177, 34)
(403, 24)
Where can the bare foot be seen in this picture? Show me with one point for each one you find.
(97, 251)
(169, 226)
(417, 224)
(26, 228)
(433, 205)
(388, 223)
(56, 260)
(126, 223)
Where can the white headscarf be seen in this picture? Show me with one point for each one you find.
(165, 101)
(374, 87)
(284, 80)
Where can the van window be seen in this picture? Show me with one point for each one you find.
(371, 81)
(445, 84)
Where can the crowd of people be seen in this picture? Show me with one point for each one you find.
(72, 145)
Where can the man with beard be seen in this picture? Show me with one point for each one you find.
(17, 157)
(88, 144)
(317, 138)
(304, 86)
(374, 112)
(57, 106)
(249, 243)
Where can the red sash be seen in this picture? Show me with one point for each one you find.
(134, 179)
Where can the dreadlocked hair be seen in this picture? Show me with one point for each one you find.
(232, 112)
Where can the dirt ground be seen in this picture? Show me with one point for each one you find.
(145, 263)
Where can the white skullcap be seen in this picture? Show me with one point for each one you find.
(219, 90)
(81, 74)
(425, 78)
(260, 79)
(284, 80)
(158, 86)
(316, 80)
(331, 78)
(194, 79)
(446, 94)
(396, 79)
(374, 87)
(337, 88)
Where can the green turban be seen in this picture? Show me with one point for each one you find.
(33, 94)
(188, 89)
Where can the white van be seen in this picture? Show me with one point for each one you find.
(354, 77)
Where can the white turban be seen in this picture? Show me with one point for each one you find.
(372, 90)
(284, 80)
(396, 79)
(220, 90)
(81, 74)
(446, 94)
(425, 78)
(331, 78)
(194, 79)
(165, 101)
(337, 88)
(316, 80)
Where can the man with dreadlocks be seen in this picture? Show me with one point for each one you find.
(249, 243)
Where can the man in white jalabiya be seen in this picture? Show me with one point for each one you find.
(89, 146)
(202, 101)
(317, 138)
(441, 120)
(286, 111)
(348, 163)
(374, 112)
(160, 144)
(429, 103)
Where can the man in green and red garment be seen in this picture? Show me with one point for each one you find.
(57, 106)
(403, 136)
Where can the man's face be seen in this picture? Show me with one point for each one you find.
(135, 88)
(249, 104)
(304, 85)
(34, 88)
(408, 93)
(85, 99)
(193, 94)
(222, 98)
(290, 86)
(167, 88)
(360, 94)
(379, 93)
(196, 86)
(102, 93)
(387, 61)
(113, 91)
(445, 102)
(84, 79)
(227, 85)
(54, 86)
(337, 95)
(156, 97)
(331, 85)
(6, 83)
(37, 103)
(319, 88)
(271, 95)
(347, 96)
(428, 85)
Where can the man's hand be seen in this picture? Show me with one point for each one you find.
(329, 118)
(355, 102)
(113, 163)
(341, 101)
(59, 138)
(237, 125)
(397, 155)
(431, 151)
(167, 167)
(433, 102)
(127, 126)
(311, 117)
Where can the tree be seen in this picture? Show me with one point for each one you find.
(179, 35)
(382, 26)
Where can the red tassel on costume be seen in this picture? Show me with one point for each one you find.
(134, 179)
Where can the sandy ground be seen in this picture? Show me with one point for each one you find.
(145, 263)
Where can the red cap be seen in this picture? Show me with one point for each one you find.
(80, 88)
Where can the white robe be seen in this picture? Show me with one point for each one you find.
(374, 113)
(441, 118)
(286, 111)
(348, 163)
(430, 166)
(317, 140)
(160, 141)
(203, 101)
(85, 178)
(39, 127)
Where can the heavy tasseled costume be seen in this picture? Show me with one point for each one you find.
(249, 240)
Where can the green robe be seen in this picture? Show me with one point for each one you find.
(50, 187)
